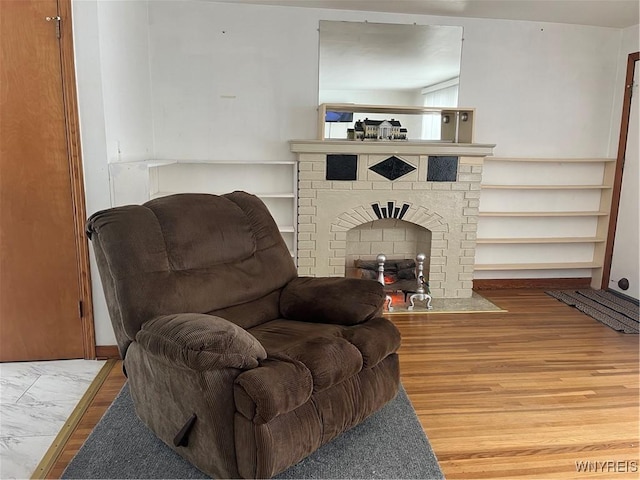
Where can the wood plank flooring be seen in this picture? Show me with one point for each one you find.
(523, 394)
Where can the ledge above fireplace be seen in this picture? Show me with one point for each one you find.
(392, 147)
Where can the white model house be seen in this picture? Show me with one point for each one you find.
(379, 130)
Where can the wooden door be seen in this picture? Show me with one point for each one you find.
(624, 276)
(620, 271)
(41, 284)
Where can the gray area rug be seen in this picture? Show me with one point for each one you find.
(389, 444)
(608, 308)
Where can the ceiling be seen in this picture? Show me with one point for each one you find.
(602, 13)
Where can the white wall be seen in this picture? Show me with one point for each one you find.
(629, 43)
(124, 54)
(203, 80)
(114, 99)
(540, 89)
(231, 81)
(93, 141)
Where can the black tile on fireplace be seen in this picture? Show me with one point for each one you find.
(442, 169)
(392, 168)
(342, 167)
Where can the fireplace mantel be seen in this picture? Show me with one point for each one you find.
(392, 147)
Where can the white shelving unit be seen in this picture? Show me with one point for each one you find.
(543, 240)
(544, 214)
(275, 183)
(545, 187)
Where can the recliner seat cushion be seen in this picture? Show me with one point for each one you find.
(330, 353)
(330, 360)
(375, 339)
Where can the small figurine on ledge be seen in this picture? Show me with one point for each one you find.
(377, 130)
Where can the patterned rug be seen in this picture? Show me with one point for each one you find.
(606, 307)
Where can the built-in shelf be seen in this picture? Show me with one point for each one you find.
(542, 240)
(537, 266)
(545, 187)
(550, 160)
(276, 195)
(162, 162)
(544, 214)
(275, 183)
(536, 184)
(259, 195)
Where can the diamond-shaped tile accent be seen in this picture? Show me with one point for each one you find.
(392, 168)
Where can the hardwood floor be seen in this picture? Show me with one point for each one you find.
(522, 394)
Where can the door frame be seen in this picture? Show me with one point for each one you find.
(617, 180)
(72, 127)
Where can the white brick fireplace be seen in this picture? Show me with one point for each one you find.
(347, 185)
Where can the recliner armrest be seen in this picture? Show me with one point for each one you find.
(343, 301)
(200, 342)
(278, 386)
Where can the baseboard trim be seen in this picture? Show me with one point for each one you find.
(107, 352)
(55, 450)
(538, 283)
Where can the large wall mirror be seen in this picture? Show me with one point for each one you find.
(389, 64)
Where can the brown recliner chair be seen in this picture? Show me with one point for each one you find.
(234, 361)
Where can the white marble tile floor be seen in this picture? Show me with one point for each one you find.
(36, 398)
